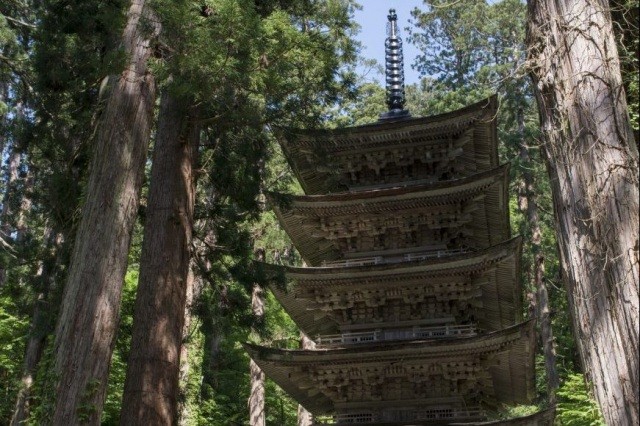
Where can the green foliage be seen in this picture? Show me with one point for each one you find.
(118, 369)
(13, 334)
(575, 405)
(44, 389)
(280, 409)
(625, 15)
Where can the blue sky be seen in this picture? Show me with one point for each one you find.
(373, 21)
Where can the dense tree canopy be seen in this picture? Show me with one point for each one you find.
(217, 76)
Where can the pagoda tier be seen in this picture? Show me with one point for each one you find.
(441, 147)
(541, 418)
(465, 214)
(408, 297)
(461, 376)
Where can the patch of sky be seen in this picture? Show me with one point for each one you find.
(372, 19)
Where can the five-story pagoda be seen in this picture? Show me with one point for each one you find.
(412, 295)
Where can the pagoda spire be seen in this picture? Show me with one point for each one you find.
(394, 71)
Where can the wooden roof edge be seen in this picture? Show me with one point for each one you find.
(514, 243)
(540, 418)
(525, 329)
(501, 172)
(487, 105)
(318, 403)
(518, 296)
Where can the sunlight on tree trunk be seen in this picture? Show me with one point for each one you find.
(37, 336)
(88, 320)
(256, 397)
(304, 417)
(593, 164)
(152, 383)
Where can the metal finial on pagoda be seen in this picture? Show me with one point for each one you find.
(394, 71)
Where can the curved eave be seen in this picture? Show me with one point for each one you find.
(299, 215)
(323, 144)
(541, 418)
(502, 295)
(512, 370)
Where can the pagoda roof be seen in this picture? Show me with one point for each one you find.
(506, 355)
(500, 295)
(315, 154)
(301, 215)
(540, 418)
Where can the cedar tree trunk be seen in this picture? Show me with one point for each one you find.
(86, 328)
(256, 397)
(304, 417)
(593, 165)
(194, 287)
(152, 384)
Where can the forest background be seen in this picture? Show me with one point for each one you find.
(207, 83)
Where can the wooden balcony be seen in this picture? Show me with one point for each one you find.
(423, 415)
(437, 332)
(380, 260)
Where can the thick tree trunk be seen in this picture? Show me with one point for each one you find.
(85, 333)
(593, 164)
(304, 417)
(542, 313)
(152, 385)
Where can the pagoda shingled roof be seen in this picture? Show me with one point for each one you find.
(499, 295)
(507, 355)
(316, 155)
(540, 418)
(484, 195)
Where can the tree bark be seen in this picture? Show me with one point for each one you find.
(256, 397)
(152, 384)
(86, 328)
(593, 164)
(542, 311)
(305, 418)
(194, 287)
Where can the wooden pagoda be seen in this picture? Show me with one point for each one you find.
(412, 295)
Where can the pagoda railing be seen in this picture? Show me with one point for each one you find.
(355, 338)
(422, 414)
(378, 260)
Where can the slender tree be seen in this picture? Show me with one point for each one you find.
(305, 418)
(85, 331)
(529, 203)
(593, 164)
(256, 397)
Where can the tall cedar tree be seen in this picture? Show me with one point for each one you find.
(151, 386)
(593, 163)
(233, 82)
(85, 332)
(56, 59)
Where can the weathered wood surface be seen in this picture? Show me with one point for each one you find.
(592, 159)
(397, 373)
(450, 145)
(469, 212)
(326, 300)
(152, 383)
(90, 312)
